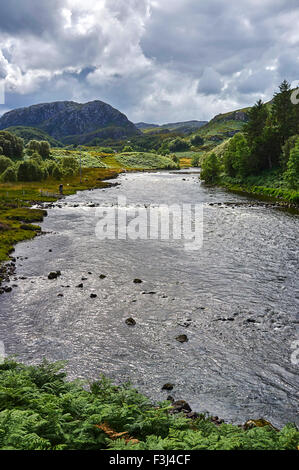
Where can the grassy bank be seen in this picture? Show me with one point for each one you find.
(269, 185)
(17, 220)
(39, 410)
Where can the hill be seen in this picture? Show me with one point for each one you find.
(71, 122)
(184, 127)
(32, 133)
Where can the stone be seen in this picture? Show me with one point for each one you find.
(93, 296)
(137, 281)
(182, 338)
(181, 405)
(102, 276)
(168, 387)
(80, 286)
(130, 321)
(54, 274)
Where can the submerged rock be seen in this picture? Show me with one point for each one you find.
(168, 387)
(54, 275)
(182, 338)
(80, 286)
(102, 276)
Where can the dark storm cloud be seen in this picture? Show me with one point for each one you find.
(157, 60)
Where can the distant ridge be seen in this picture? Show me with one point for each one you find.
(71, 122)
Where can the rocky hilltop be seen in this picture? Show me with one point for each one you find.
(72, 122)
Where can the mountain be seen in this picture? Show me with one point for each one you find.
(71, 122)
(184, 127)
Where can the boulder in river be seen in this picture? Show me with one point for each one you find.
(54, 274)
(80, 286)
(102, 276)
(93, 296)
(182, 338)
(179, 406)
(168, 387)
(137, 281)
(130, 321)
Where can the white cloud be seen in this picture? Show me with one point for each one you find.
(159, 61)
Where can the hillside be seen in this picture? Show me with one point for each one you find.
(184, 127)
(32, 133)
(71, 122)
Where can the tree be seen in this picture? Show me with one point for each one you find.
(70, 166)
(9, 175)
(291, 176)
(284, 112)
(44, 149)
(127, 148)
(195, 160)
(286, 150)
(257, 118)
(210, 169)
(29, 170)
(41, 147)
(179, 145)
(11, 146)
(197, 140)
(5, 162)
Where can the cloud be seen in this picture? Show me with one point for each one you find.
(155, 60)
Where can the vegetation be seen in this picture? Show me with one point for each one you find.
(39, 410)
(146, 161)
(32, 133)
(268, 145)
(10, 145)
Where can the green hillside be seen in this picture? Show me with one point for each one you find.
(32, 133)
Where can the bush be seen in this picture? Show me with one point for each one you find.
(127, 148)
(41, 147)
(56, 172)
(195, 160)
(291, 176)
(197, 141)
(5, 162)
(9, 175)
(11, 146)
(70, 166)
(30, 171)
(179, 145)
(210, 169)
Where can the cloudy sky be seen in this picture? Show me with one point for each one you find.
(155, 60)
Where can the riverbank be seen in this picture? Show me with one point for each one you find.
(40, 410)
(17, 218)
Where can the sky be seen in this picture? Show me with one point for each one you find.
(156, 61)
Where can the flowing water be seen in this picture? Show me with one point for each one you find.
(235, 299)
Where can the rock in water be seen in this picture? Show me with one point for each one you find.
(130, 322)
(54, 274)
(182, 338)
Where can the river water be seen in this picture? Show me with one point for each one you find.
(235, 299)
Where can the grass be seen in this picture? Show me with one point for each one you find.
(40, 410)
(145, 161)
(16, 199)
(91, 158)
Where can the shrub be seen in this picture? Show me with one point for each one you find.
(11, 145)
(5, 162)
(197, 140)
(195, 160)
(57, 172)
(127, 148)
(179, 145)
(9, 175)
(291, 176)
(210, 169)
(30, 171)
(70, 166)
(41, 147)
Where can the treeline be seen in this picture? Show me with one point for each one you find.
(32, 162)
(270, 140)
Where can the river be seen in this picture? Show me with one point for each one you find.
(235, 299)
